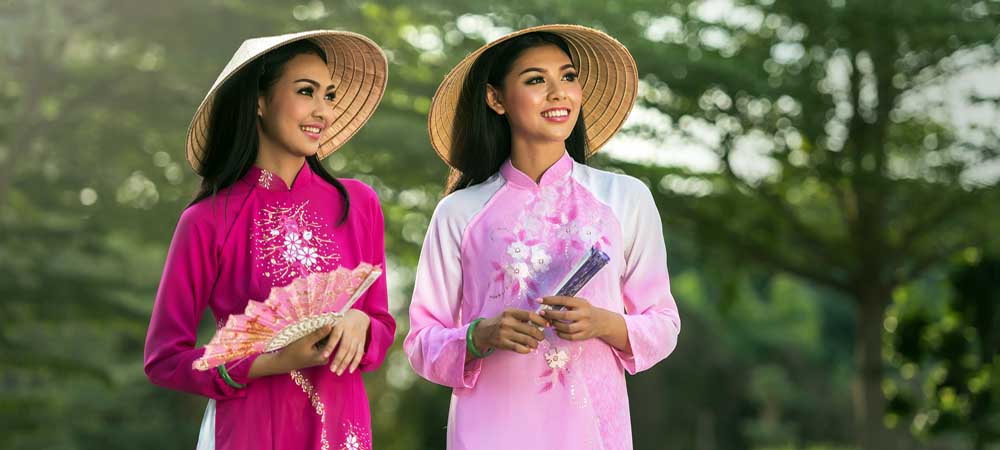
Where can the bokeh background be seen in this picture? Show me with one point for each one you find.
(826, 171)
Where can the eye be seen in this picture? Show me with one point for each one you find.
(535, 80)
(571, 76)
(330, 96)
(305, 91)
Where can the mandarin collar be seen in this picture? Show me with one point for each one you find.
(555, 174)
(269, 181)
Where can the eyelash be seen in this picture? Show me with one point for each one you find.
(572, 77)
(309, 92)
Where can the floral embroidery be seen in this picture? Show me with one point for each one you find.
(265, 178)
(289, 242)
(352, 442)
(355, 438)
(549, 232)
(556, 358)
(540, 259)
(517, 250)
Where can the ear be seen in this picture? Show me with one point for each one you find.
(494, 99)
(261, 104)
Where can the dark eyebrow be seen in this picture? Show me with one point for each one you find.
(314, 83)
(538, 69)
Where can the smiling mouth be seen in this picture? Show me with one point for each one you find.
(310, 129)
(555, 113)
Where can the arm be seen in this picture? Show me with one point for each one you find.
(435, 344)
(375, 302)
(651, 319)
(187, 282)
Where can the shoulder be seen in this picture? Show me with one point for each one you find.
(611, 184)
(464, 204)
(358, 191)
(201, 220)
(358, 188)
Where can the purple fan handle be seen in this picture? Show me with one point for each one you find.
(596, 260)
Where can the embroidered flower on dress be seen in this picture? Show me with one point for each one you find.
(352, 443)
(540, 259)
(518, 270)
(518, 250)
(588, 235)
(556, 358)
(292, 241)
(307, 255)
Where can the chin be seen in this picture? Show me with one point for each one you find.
(306, 152)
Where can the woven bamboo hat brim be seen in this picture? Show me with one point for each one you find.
(359, 70)
(607, 73)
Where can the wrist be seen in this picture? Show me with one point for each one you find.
(266, 364)
(474, 340)
(362, 316)
(606, 322)
(480, 335)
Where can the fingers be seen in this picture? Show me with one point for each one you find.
(526, 316)
(359, 354)
(348, 357)
(578, 336)
(530, 331)
(567, 315)
(568, 327)
(335, 336)
(518, 343)
(344, 353)
(512, 337)
(569, 302)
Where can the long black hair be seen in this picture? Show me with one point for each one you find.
(481, 138)
(232, 143)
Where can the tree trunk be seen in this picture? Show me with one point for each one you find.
(869, 402)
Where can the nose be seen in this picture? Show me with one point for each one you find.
(557, 91)
(322, 110)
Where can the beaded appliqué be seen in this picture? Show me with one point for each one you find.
(355, 438)
(265, 179)
(310, 391)
(290, 243)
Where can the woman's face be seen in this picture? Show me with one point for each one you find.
(298, 108)
(540, 96)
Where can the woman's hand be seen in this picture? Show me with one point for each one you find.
(307, 351)
(580, 321)
(516, 330)
(350, 333)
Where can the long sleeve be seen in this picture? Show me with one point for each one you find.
(382, 330)
(651, 315)
(185, 288)
(435, 344)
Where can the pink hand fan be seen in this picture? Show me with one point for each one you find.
(289, 313)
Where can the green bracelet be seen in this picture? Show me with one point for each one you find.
(229, 380)
(469, 344)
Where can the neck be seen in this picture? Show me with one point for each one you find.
(533, 159)
(281, 163)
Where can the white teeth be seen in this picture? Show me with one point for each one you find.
(556, 113)
(311, 129)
